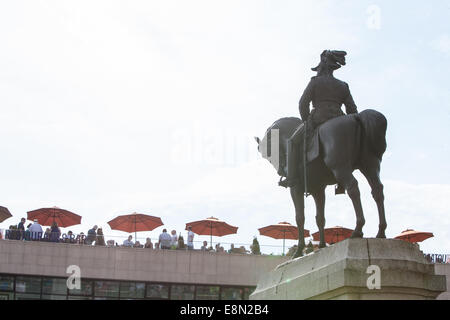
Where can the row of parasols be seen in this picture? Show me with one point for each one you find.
(211, 226)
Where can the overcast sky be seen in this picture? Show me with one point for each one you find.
(111, 107)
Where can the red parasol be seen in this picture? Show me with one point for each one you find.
(282, 230)
(4, 214)
(334, 235)
(46, 217)
(135, 222)
(211, 226)
(414, 236)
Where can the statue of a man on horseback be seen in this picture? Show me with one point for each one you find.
(327, 95)
(337, 145)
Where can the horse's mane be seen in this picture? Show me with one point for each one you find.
(285, 124)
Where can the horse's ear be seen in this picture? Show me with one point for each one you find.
(257, 140)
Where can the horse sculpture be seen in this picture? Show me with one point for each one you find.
(346, 143)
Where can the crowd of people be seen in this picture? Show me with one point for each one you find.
(34, 232)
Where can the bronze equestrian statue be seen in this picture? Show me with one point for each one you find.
(326, 146)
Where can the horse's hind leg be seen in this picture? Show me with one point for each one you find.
(298, 199)
(371, 171)
(338, 141)
(346, 179)
(319, 198)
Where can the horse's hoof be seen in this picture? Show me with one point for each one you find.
(356, 234)
(381, 235)
(322, 245)
(298, 253)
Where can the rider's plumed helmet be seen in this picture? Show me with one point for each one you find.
(332, 59)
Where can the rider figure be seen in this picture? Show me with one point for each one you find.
(327, 95)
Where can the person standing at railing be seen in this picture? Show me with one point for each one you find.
(28, 233)
(181, 242)
(190, 239)
(91, 235)
(69, 237)
(137, 244)
(100, 240)
(47, 234)
(164, 240)
(128, 242)
(174, 240)
(55, 232)
(81, 238)
(21, 228)
(148, 244)
(36, 230)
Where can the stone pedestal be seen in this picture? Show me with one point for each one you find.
(354, 269)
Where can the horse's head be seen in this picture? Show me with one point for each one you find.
(272, 146)
(258, 141)
(265, 147)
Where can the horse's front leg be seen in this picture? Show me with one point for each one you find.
(319, 199)
(298, 199)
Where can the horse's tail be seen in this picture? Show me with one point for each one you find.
(374, 125)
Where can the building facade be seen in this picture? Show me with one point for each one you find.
(45, 270)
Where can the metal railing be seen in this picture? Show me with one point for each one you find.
(82, 239)
(437, 257)
(117, 241)
(12, 234)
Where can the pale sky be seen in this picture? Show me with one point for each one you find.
(111, 107)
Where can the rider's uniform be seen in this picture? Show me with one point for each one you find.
(327, 95)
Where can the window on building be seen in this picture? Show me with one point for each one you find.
(106, 289)
(54, 297)
(231, 293)
(6, 283)
(157, 291)
(85, 290)
(207, 293)
(132, 290)
(78, 298)
(54, 286)
(247, 292)
(28, 284)
(182, 292)
(6, 295)
(28, 296)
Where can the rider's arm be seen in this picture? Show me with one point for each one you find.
(350, 106)
(305, 100)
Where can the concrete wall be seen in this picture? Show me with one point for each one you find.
(341, 272)
(116, 263)
(443, 269)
